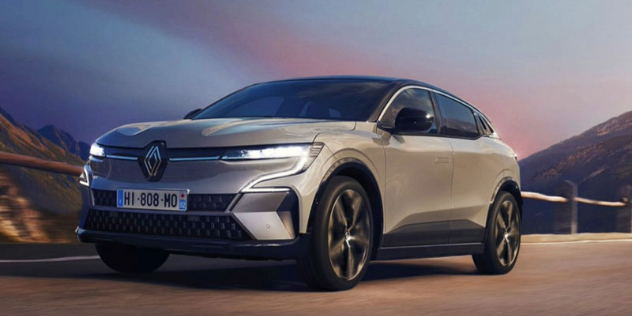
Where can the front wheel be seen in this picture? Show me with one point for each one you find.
(129, 259)
(502, 240)
(342, 237)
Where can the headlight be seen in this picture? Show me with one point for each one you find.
(268, 153)
(97, 151)
(306, 155)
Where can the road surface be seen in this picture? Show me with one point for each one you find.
(549, 279)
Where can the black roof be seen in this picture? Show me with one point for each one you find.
(396, 83)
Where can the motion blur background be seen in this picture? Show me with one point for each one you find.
(544, 71)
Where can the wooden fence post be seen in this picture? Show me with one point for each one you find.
(566, 213)
(624, 214)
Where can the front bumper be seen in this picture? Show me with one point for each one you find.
(280, 250)
(270, 222)
(251, 225)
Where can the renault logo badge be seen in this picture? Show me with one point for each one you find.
(154, 163)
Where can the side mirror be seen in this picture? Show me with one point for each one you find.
(409, 119)
(192, 114)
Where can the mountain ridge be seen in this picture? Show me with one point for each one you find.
(599, 161)
(64, 140)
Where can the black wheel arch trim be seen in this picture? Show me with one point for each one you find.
(340, 168)
(507, 184)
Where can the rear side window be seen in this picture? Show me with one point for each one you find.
(458, 120)
(485, 127)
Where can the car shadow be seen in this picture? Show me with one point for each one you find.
(264, 276)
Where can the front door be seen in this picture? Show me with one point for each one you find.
(419, 165)
(477, 166)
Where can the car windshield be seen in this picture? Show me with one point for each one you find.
(346, 100)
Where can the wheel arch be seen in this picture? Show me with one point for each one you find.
(511, 186)
(357, 170)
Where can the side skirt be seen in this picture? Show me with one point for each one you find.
(429, 251)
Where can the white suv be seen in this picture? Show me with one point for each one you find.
(332, 172)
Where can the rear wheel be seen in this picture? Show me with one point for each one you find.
(129, 259)
(502, 242)
(342, 237)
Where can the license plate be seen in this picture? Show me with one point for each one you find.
(166, 200)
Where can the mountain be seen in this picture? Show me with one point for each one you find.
(7, 116)
(35, 204)
(598, 160)
(64, 140)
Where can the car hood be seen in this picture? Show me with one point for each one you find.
(221, 132)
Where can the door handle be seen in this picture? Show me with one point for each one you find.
(442, 160)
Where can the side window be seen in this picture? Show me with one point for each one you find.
(482, 124)
(489, 126)
(458, 120)
(485, 128)
(411, 98)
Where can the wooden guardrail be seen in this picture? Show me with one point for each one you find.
(561, 199)
(542, 197)
(40, 164)
(565, 217)
(566, 212)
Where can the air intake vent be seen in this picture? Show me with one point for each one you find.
(170, 225)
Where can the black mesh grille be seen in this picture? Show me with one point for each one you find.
(171, 225)
(104, 198)
(196, 202)
(209, 202)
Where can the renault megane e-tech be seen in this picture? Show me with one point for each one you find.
(331, 172)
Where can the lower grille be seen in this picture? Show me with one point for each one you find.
(196, 202)
(209, 202)
(170, 225)
(104, 198)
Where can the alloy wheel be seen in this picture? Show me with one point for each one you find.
(349, 234)
(507, 233)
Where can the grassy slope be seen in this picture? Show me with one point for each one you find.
(4, 238)
(48, 192)
(55, 197)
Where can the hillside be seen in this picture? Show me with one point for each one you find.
(64, 140)
(34, 198)
(599, 161)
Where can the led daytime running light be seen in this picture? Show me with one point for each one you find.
(97, 151)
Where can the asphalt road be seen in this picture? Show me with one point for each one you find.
(549, 279)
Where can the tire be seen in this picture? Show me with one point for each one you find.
(342, 237)
(128, 259)
(502, 237)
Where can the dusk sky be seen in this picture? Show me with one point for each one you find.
(542, 70)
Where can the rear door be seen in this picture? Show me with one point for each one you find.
(476, 168)
(418, 178)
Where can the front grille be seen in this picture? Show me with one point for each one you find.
(196, 202)
(171, 225)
